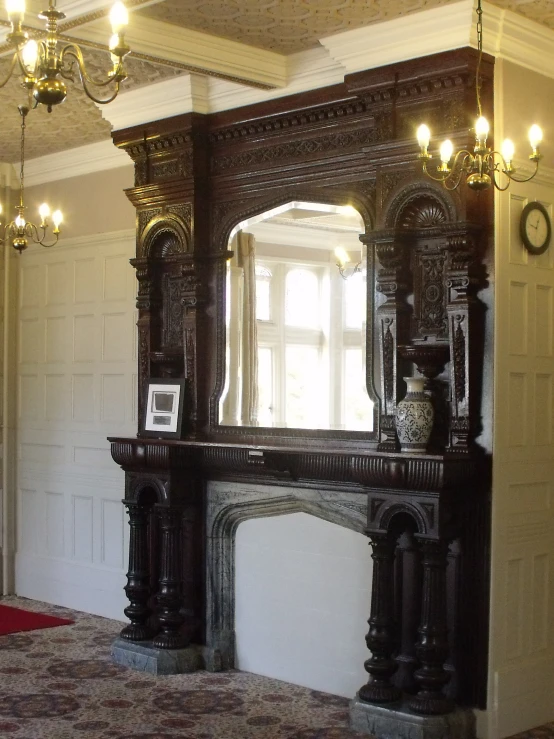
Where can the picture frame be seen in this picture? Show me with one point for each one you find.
(163, 408)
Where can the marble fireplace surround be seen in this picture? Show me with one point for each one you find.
(228, 504)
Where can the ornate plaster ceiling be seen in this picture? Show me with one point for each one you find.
(288, 26)
(78, 121)
(281, 26)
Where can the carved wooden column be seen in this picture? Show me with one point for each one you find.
(432, 647)
(393, 323)
(138, 576)
(169, 599)
(381, 637)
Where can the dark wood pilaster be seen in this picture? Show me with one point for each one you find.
(393, 319)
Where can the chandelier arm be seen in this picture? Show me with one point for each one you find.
(495, 183)
(72, 50)
(42, 242)
(431, 176)
(447, 175)
(103, 101)
(522, 179)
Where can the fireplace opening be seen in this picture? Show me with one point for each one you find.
(302, 600)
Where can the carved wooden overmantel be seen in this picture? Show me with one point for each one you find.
(196, 178)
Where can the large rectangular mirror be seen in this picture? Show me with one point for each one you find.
(296, 313)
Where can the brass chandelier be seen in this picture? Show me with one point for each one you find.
(43, 67)
(483, 165)
(19, 231)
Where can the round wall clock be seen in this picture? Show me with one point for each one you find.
(535, 228)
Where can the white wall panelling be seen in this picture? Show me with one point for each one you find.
(77, 364)
(303, 590)
(521, 685)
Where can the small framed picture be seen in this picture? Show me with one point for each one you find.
(163, 414)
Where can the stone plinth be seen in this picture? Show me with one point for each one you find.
(146, 658)
(398, 722)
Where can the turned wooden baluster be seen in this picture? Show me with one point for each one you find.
(169, 599)
(432, 647)
(380, 637)
(138, 576)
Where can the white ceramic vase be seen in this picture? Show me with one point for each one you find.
(414, 417)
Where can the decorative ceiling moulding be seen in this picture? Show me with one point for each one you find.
(185, 94)
(200, 52)
(416, 35)
(307, 70)
(82, 160)
(509, 36)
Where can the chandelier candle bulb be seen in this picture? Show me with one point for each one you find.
(535, 137)
(44, 212)
(57, 218)
(119, 18)
(423, 138)
(29, 57)
(342, 256)
(508, 151)
(446, 151)
(15, 10)
(482, 130)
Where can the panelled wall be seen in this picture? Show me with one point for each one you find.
(522, 638)
(76, 385)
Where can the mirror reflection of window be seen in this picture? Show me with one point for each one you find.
(310, 323)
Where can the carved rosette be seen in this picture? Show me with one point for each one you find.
(138, 576)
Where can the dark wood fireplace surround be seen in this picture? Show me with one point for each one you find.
(196, 177)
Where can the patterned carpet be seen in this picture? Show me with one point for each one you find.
(60, 684)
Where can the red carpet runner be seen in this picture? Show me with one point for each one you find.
(13, 620)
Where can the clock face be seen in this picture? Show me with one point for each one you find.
(535, 228)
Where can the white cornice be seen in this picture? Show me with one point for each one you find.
(184, 94)
(74, 162)
(195, 93)
(199, 51)
(506, 35)
(400, 39)
(308, 70)
(522, 41)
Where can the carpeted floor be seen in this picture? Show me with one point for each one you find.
(60, 684)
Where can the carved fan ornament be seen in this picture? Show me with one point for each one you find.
(422, 214)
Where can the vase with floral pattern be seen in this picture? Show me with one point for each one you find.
(414, 417)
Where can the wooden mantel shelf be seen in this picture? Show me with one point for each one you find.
(367, 468)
